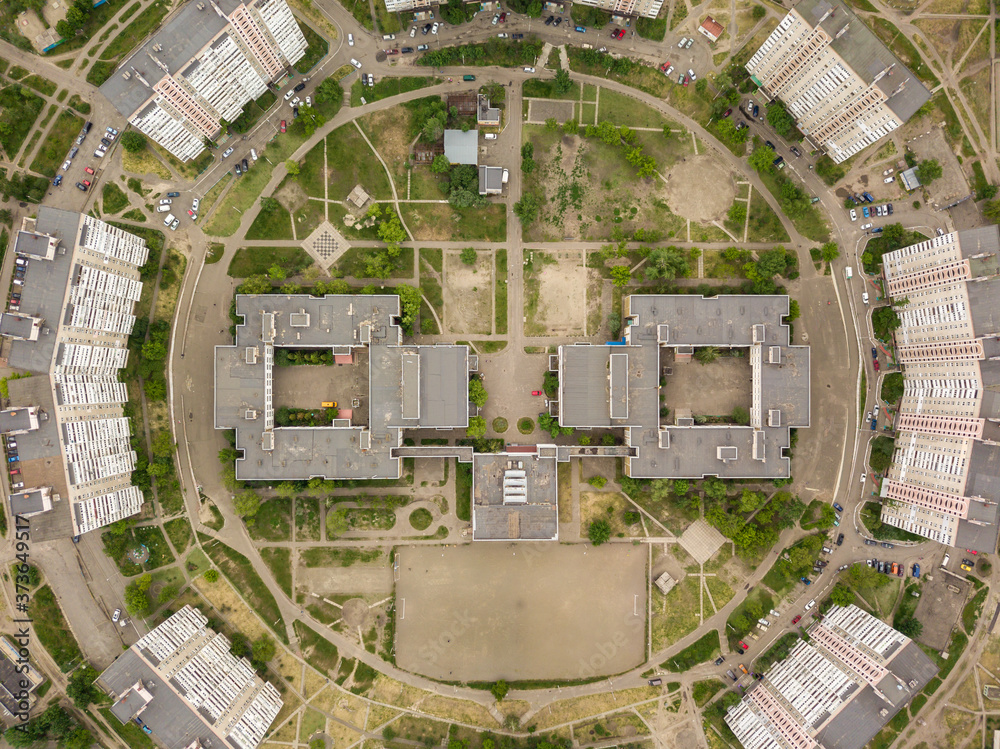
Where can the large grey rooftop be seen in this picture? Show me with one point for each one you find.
(409, 386)
(462, 147)
(858, 46)
(16, 325)
(983, 308)
(173, 723)
(44, 290)
(979, 241)
(605, 385)
(186, 33)
(725, 320)
(535, 518)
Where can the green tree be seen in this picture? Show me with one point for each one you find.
(136, 595)
(477, 392)
(761, 159)
(599, 531)
(608, 133)
(892, 387)
(409, 305)
(277, 273)
(714, 488)
(991, 210)
(738, 213)
(666, 264)
(621, 275)
(263, 650)
(246, 504)
(269, 204)
(440, 165)
(706, 354)
(167, 593)
(477, 428)
(794, 311)
(751, 500)
(469, 255)
(133, 141)
(759, 11)
(211, 575)
(328, 90)
(909, 625)
(154, 351)
(310, 119)
(551, 124)
(562, 83)
(841, 595)
(526, 209)
(928, 171)
(292, 167)
(499, 690)
(81, 687)
(259, 284)
(829, 251)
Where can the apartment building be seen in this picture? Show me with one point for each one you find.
(182, 686)
(626, 8)
(202, 67)
(836, 690)
(402, 6)
(79, 288)
(844, 88)
(943, 483)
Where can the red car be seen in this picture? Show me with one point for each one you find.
(797, 619)
(972, 552)
(503, 17)
(191, 213)
(875, 362)
(88, 170)
(664, 66)
(727, 112)
(282, 126)
(744, 645)
(536, 392)
(619, 34)
(687, 80)
(86, 182)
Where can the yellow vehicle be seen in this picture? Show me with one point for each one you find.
(329, 404)
(966, 567)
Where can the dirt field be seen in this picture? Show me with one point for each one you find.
(558, 290)
(939, 609)
(952, 183)
(362, 579)
(700, 188)
(468, 293)
(709, 389)
(309, 386)
(520, 611)
(539, 111)
(291, 196)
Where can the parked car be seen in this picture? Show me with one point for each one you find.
(350, 40)
(295, 116)
(866, 211)
(889, 180)
(282, 126)
(195, 203)
(355, 63)
(536, 392)
(192, 214)
(854, 215)
(117, 615)
(174, 224)
(299, 87)
(797, 619)
(434, 28)
(866, 227)
(66, 165)
(81, 186)
(426, 29)
(550, 20)
(246, 166)
(887, 545)
(619, 34)
(916, 570)
(529, 70)
(503, 17)
(239, 172)
(837, 507)
(57, 181)
(229, 150)
(689, 43)
(889, 208)
(166, 201)
(105, 142)
(870, 542)
(682, 42)
(890, 170)
(581, 29)
(88, 169)
(840, 539)
(794, 150)
(422, 48)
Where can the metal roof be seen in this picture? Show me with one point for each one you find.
(462, 147)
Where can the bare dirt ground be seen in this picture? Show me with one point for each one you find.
(700, 188)
(468, 293)
(307, 386)
(291, 196)
(360, 579)
(475, 612)
(710, 389)
(952, 183)
(939, 609)
(539, 111)
(562, 295)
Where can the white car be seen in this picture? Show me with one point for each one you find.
(174, 224)
(112, 130)
(866, 227)
(864, 297)
(682, 42)
(169, 219)
(810, 604)
(868, 416)
(692, 75)
(228, 151)
(889, 180)
(529, 70)
(501, 36)
(166, 201)
(413, 32)
(435, 27)
(689, 43)
(99, 153)
(195, 203)
(117, 615)
(668, 71)
(350, 40)
(291, 92)
(875, 411)
(854, 215)
(66, 164)
(294, 102)
(890, 170)
(309, 103)
(162, 208)
(253, 155)
(355, 63)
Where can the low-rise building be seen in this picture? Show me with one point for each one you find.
(182, 686)
(490, 180)
(711, 29)
(462, 147)
(487, 115)
(514, 495)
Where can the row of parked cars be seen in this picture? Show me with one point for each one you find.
(892, 568)
(14, 464)
(107, 139)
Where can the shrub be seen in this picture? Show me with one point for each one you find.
(599, 531)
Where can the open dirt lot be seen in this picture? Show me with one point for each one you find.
(291, 196)
(541, 110)
(520, 611)
(952, 184)
(939, 609)
(556, 294)
(362, 579)
(468, 293)
(709, 389)
(700, 188)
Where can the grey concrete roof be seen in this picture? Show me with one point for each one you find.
(14, 420)
(409, 386)
(983, 308)
(187, 32)
(910, 179)
(536, 519)
(586, 397)
(982, 239)
(173, 723)
(44, 290)
(10, 684)
(490, 178)
(30, 243)
(866, 55)
(462, 148)
(15, 325)
(984, 472)
(25, 503)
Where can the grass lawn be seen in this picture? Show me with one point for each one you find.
(352, 263)
(273, 521)
(273, 224)
(152, 538)
(703, 691)
(388, 87)
(100, 71)
(307, 218)
(545, 89)
(316, 51)
(338, 557)
(245, 579)
(215, 252)
(425, 185)
(440, 221)
(350, 161)
(251, 261)
(764, 225)
(777, 652)
(704, 649)
(310, 176)
(41, 85)
(135, 32)
(307, 526)
(279, 561)
(213, 194)
(624, 110)
(500, 308)
(131, 734)
(115, 199)
(463, 491)
(143, 163)
(196, 562)
(57, 143)
(135, 214)
(21, 112)
(52, 630)
(675, 615)
(187, 169)
(317, 651)
(361, 12)
(645, 78)
(179, 531)
(79, 104)
(811, 224)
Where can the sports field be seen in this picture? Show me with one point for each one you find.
(491, 611)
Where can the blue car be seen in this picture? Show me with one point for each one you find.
(806, 580)
(837, 507)
(874, 420)
(581, 29)
(865, 211)
(916, 570)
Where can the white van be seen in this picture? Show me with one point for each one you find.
(947, 558)
(253, 154)
(169, 219)
(490, 136)
(850, 273)
(162, 208)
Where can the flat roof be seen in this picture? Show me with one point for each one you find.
(585, 386)
(983, 308)
(16, 325)
(32, 243)
(14, 419)
(44, 290)
(172, 721)
(462, 147)
(868, 57)
(501, 510)
(724, 320)
(184, 35)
